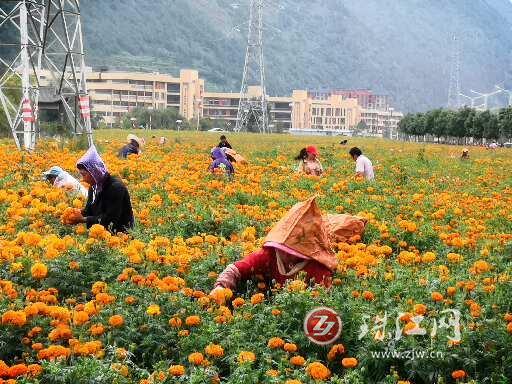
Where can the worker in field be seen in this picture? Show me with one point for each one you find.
(298, 243)
(108, 201)
(364, 167)
(59, 178)
(224, 143)
(308, 161)
(465, 154)
(133, 146)
(220, 163)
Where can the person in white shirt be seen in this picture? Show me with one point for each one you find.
(61, 179)
(364, 166)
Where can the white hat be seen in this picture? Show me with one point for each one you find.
(137, 139)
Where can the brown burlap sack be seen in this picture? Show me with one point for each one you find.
(303, 230)
(341, 228)
(238, 158)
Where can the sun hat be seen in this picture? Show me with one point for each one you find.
(137, 139)
(312, 150)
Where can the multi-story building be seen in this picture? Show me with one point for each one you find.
(381, 123)
(365, 97)
(114, 94)
(224, 106)
(334, 113)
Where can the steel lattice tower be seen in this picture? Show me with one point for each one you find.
(252, 108)
(48, 40)
(454, 86)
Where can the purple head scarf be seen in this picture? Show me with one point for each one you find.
(93, 163)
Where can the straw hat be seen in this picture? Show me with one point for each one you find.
(137, 139)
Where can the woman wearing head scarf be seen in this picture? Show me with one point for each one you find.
(308, 161)
(298, 243)
(59, 178)
(220, 161)
(108, 200)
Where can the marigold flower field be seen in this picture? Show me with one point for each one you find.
(83, 306)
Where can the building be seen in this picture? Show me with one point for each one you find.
(114, 94)
(381, 123)
(223, 106)
(334, 113)
(365, 97)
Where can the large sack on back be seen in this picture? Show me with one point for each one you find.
(238, 158)
(303, 230)
(341, 228)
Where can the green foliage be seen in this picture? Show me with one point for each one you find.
(464, 123)
(158, 119)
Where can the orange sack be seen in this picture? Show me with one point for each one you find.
(238, 158)
(342, 228)
(303, 230)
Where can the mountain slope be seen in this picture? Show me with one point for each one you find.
(400, 47)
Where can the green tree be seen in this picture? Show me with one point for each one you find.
(505, 123)
(13, 93)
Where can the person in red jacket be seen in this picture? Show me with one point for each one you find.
(298, 243)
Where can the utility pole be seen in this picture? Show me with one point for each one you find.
(252, 108)
(48, 40)
(454, 86)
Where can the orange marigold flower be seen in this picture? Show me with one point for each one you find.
(275, 343)
(193, 321)
(335, 351)
(34, 370)
(318, 371)
(96, 330)
(459, 374)
(290, 347)
(349, 362)
(238, 302)
(298, 361)
(272, 373)
(17, 370)
(420, 309)
(175, 322)
(196, 358)
(246, 357)
(39, 271)
(369, 296)
(16, 318)
(176, 370)
(214, 350)
(436, 296)
(509, 327)
(257, 298)
(116, 321)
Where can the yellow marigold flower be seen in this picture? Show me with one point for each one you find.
(153, 310)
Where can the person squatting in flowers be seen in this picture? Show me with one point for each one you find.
(108, 201)
(133, 147)
(308, 161)
(299, 242)
(59, 178)
(220, 161)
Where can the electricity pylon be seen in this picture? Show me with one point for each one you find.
(47, 44)
(252, 107)
(454, 86)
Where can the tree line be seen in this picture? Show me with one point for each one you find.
(466, 125)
